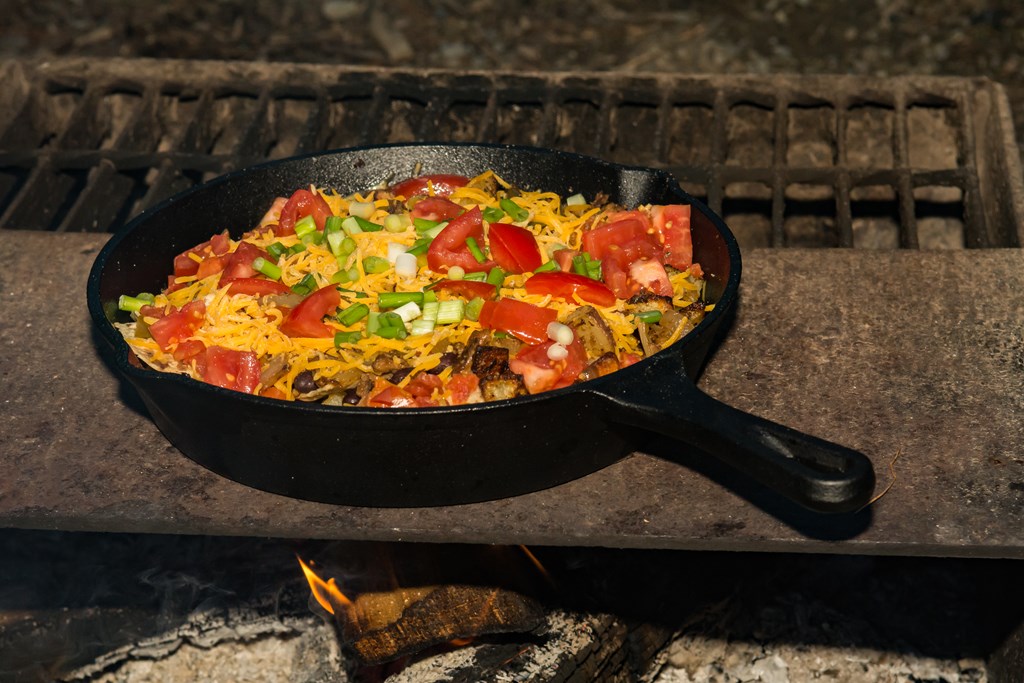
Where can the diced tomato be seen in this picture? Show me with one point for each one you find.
(514, 248)
(385, 393)
(179, 325)
(424, 384)
(540, 373)
(673, 225)
(436, 209)
(229, 369)
(254, 286)
(442, 184)
(651, 275)
(616, 276)
(306, 319)
(188, 349)
(629, 236)
(470, 289)
(449, 247)
(461, 387)
(564, 285)
(302, 203)
(564, 257)
(272, 392)
(217, 246)
(211, 265)
(152, 312)
(239, 263)
(518, 318)
(627, 359)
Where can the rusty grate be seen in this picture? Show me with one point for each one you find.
(789, 161)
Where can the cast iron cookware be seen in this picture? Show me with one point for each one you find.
(438, 456)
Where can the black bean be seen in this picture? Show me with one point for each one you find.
(399, 374)
(304, 382)
(447, 359)
(351, 398)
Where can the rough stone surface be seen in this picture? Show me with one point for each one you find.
(914, 358)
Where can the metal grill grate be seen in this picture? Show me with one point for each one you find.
(789, 161)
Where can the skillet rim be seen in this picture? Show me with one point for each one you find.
(709, 325)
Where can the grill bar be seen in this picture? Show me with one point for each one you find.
(89, 145)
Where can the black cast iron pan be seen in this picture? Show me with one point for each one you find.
(439, 456)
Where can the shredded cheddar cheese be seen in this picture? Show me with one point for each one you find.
(254, 326)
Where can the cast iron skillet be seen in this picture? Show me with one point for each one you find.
(439, 456)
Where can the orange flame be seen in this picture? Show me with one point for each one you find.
(327, 592)
(536, 563)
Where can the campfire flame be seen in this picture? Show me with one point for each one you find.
(327, 592)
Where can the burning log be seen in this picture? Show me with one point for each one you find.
(381, 627)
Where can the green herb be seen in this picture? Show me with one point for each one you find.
(267, 268)
(353, 314)
(515, 212)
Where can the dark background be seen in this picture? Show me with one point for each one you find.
(880, 38)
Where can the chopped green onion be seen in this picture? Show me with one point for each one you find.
(515, 212)
(353, 314)
(375, 264)
(267, 268)
(361, 209)
(493, 214)
(436, 230)
(396, 299)
(575, 200)
(359, 295)
(473, 277)
(277, 250)
(495, 277)
(424, 224)
(391, 326)
(579, 264)
(297, 248)
(347, 338)
(548, 267)
(367, 226)
(430, 310)
(304, 226)
(333, 224)
(475, 250)
(147, 297)
(131, 304)
(473, 308)
(396, 222)
(456, 273)
(372, 323)
(305, 285)
(343, 276)
(420, 246)
(351, 225)
(649, 317)
(451, 311)
(409, 311)
(594, 270)
(429, 297)
(314, 237)
(334, 242)
(421, 326)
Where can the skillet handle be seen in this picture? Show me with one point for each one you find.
(815, 473)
